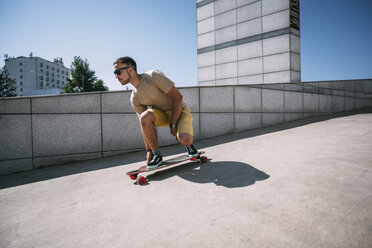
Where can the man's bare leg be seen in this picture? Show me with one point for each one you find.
(186, 140)
(147, 120)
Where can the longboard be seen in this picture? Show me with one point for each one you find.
(141, 180)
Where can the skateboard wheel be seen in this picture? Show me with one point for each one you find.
(141, 180)
(192, 159)
(133, 176)
(203, 159)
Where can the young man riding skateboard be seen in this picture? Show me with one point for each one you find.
(158, 103)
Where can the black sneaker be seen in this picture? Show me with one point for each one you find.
(155, 162)
(192, 151)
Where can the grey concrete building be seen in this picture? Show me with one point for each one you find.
(37, 76)
(248, 42)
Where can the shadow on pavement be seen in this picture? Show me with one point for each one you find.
(228, 174)
(57, 171)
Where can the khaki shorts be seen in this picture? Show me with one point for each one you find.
(163, 119)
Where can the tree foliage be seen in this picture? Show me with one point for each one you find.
(8, 86)
(83, 79)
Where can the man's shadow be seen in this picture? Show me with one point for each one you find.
(229, 174)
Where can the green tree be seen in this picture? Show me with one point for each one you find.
(99, 85)
(8, 86)
(83, 79)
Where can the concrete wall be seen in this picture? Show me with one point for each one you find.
(248, 42)
(42, 131)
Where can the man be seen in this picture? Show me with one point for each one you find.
(158, 103)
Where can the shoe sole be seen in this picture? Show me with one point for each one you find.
(193, 155)
(149, 167)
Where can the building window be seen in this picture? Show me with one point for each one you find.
(47, 66)
(20, 64)
(20, 70)
(20, 76)
(41, 70)
(52, 68)
(41, 64)
(21, 83)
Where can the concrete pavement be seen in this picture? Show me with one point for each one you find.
(306, 183)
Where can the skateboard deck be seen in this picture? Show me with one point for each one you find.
(143, 180)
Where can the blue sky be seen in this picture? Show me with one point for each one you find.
(336, 36)
(336, 39)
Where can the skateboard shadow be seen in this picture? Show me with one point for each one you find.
(228, 174)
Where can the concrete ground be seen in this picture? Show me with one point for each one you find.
(302, 184)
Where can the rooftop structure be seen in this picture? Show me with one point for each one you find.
(248, 42)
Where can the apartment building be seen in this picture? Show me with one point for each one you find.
(37, 76)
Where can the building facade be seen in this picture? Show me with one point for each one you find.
(37, 76)
(248, 41)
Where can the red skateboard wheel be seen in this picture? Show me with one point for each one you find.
(141, 180)
(133, 176)
(203, 159)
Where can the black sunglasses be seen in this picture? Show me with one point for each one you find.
(118, 71)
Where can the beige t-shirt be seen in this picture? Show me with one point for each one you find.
(152, 92)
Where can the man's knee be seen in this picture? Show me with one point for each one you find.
(147, 118)
(185, 139)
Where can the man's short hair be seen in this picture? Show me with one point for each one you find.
(128, 61)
